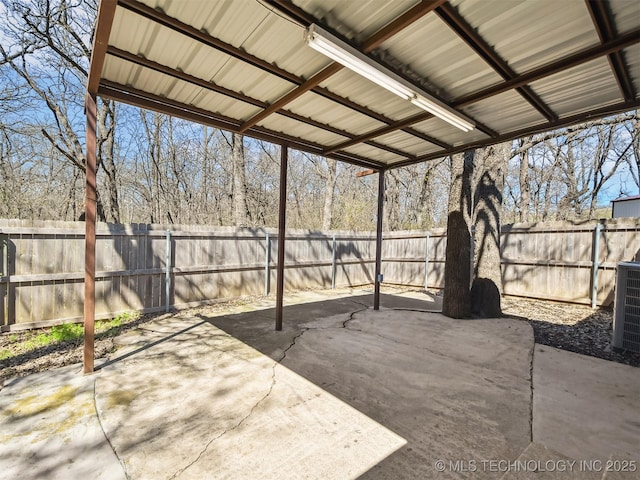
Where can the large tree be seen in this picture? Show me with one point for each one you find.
(488, 185)
(457, 270)
(475, 207)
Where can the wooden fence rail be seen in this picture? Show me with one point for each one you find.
(155, 267)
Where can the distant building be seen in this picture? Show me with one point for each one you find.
(626, 207)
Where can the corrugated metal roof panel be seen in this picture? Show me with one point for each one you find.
(122, 72)
(289, 126)
(322, 110)
(374, 153)
(587, 86)
(226, 106)
(354, 87)
(430, 48)
(407, 143)
(501, 112)
(531, 33)
(221, 18)
(626, 14)
(291, 52)
(359, 19)
(130, 29)
(632, 56)
(448, 134)
(251, 81)
(182, 53)
(251, 26)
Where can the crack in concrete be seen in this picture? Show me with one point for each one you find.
(359, 303)
(416, 310)
(113, 448)
(276, 363)
(531, 355)
(306, 329)
(344, 325)
(293, 342)
(351, 315)
(235, 427)
(273, 383)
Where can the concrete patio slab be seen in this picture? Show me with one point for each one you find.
(343, 392)
(584, 407)
(210, 403)
(455, 390)
(49, 429)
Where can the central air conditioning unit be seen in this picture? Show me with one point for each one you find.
(626, 318)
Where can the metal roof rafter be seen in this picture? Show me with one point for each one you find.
(465, 31)
(603, 21)
(542, 127)
(368, 45)
(144, 62)
(201, 36)
(576, 59)
(138, 98)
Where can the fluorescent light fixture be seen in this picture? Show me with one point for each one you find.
(442, 111)
(343, 53)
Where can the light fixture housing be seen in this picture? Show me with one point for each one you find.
(343, 53)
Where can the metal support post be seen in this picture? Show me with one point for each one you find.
(282, 211)
(378, 279)
(333, 263)
(90, 236)
(426, 261)
(267, 259)
(595, 265)
(167, 273)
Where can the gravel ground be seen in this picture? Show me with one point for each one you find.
(576, 328)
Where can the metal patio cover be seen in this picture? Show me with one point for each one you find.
(511, 67)
(514, 67)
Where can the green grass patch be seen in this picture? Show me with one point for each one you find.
(70, 333)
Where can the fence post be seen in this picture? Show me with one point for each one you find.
(4, 272)
(595, 249)
(333, 263)
(267, 259)
(426, 261)
(167, 273)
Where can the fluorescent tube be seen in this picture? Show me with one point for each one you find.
(343, 53)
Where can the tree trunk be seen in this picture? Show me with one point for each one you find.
(486, 289)
(425, 209)
(457, 270)
(106, 149)
(329, 193)
(239, 181)
(392, 204)
(525, 191)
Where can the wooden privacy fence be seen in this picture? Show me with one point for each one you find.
(154, 267)
(565, 261)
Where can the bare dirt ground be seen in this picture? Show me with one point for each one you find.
(576, 328)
